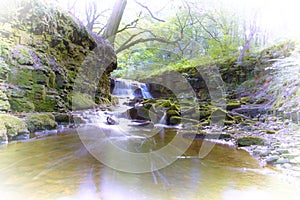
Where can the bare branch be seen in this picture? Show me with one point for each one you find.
(149, 11)
(130, 25)
(129, 43)
(142, 40)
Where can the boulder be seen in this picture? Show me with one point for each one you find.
(248, 141)
(11, 126)
(38, 122)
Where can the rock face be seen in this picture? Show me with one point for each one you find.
(43, 51)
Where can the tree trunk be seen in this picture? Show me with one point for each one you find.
(114, 21)
(246, 45)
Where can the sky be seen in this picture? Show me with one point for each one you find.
(281, 17)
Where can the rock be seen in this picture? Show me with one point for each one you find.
(42, 62)
(252, 110)
(218, 115)
(11, 126)
(82, 101)
(139, 113)
(174, 120)
(63, 118)
(38, 122)
(201, 136)
(21, 105)
(4, 103)
(272, 159)
(173, 117)
(283, 151)
(245, 100)
(282, 161)
(248, 141)
(233, 105)
(270, 131)
(23, 55)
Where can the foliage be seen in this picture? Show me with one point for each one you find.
(196, 38)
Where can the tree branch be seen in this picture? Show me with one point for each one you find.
(141, 40)
(149, 11)
(130, 25)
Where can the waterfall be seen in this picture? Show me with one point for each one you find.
(123, 88)
(130, 89)
(145, 91)
(163, 119)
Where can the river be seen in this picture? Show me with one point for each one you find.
(60, 167)
(63, 166)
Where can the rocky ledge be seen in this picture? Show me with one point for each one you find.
(47, 60)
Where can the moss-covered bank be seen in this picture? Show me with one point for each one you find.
(42, 52)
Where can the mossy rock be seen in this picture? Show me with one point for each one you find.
(21, 77)
(204, 114)
(48, 104)
(173, 113)
(218, 115)
(245, 100)
(82, 101)
(174, 107)
(166, 104)
(174, 120)
(63, 118)
(11, 125)
(4, 105)
(37, 122)
(23, 56)
(248, 141)
(139, 113)
(233, 105)
(21, 105)
(229, 122)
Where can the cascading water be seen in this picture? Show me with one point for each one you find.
(127, 91)
(131, 89)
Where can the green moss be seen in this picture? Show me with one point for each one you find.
(4, 69)
(46, 105)
(248, 141)
(245, 100)
(21, 105)
(37, 122)
(23, 56)
(174, 107)
(173, 113)
(21, 77)
(4, 104)
(174, 120)
(229, 122)
(115, 100)
(12, 124)
(166, 103)
(82, 101)
(63, 118)
(233, 105)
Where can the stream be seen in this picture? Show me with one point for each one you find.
(65, 165)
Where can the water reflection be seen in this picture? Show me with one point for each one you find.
(59, 167)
